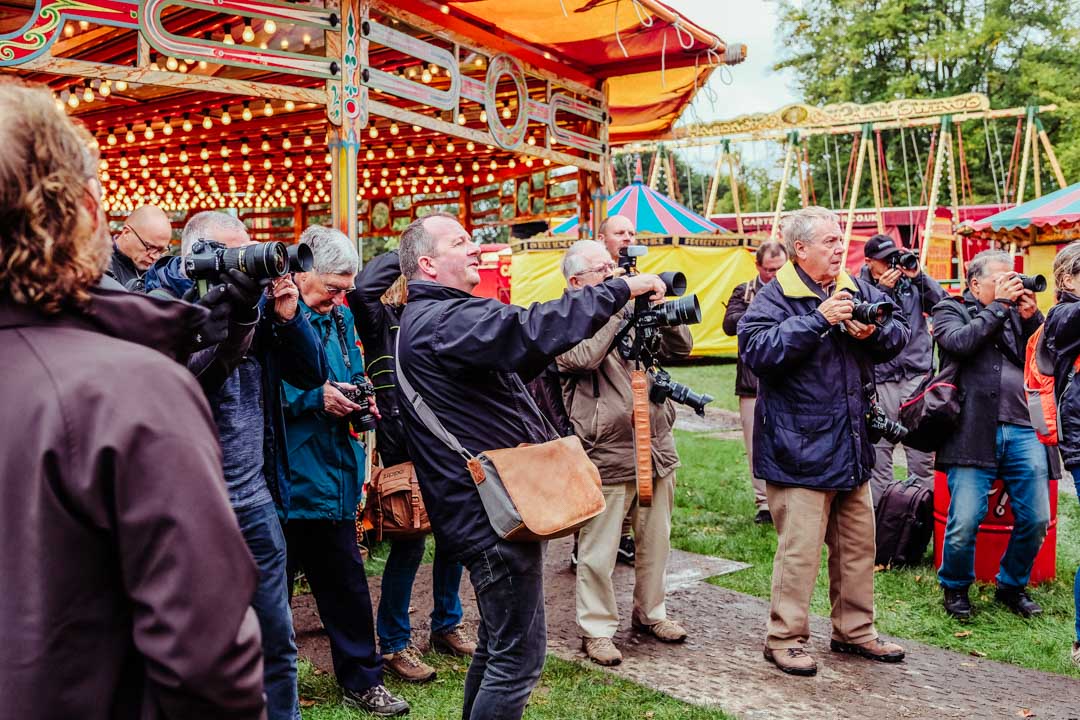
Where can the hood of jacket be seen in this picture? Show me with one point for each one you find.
(167, 274)
(792, 285)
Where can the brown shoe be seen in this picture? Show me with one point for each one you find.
(667, 631)
(409, 666)
(793, 661)
(874, 650)
(455, 642)
(601, 651)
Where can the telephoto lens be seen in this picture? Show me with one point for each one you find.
(906, 260)
(261, 261)
(682, 311)
(300, 258)
(877, 313)
(1034, 283)
(674, 282)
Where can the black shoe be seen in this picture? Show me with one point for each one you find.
(627, 550)
(763, 517)
(573, 556)
(1018, 601)
(376, 700)
(957, 604)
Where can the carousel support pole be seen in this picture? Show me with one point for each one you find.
(347, 115)
(793, 141)
(734, 177)
(872, 159)
(953, 189)
(1051, 157)
(1036, 164)
(654, 167)
(710, 204)
(852, 203)
(804, 195)
(1027, 154)
(299, 220)
(935, 188)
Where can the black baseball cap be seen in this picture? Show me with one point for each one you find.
(880, 246)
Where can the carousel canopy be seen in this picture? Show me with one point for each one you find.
(568, 226)
(652, 212)
(1058, 208)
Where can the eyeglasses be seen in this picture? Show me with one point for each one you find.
(605, 269)
(150, 249)
(333, 290)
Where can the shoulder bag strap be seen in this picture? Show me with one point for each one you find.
(427, 415)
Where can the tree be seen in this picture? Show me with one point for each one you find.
(1017, 52)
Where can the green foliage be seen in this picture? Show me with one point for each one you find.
(1018, 52)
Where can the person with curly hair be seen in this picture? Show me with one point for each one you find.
(129, 583)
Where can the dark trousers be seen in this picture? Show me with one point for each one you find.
(512, 641)
(326, 551)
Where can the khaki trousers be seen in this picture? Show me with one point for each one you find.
(746, 415)
(805, 518)
(598, 543)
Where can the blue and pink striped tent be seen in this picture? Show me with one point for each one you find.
(654, 213)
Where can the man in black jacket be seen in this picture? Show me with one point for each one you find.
(915, 293)
(986, 332)
(144, 238)
(466, 356)
(769, 258)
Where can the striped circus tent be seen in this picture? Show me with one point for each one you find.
(1056, 211)
(567, 227)
(658, 214)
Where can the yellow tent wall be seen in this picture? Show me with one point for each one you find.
(711, 273)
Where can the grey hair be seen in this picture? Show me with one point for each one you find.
(205, 225)
(1066, 265)
(977, 266)
(334, 252)
(416, 242)
(799, 225)
(573, 262)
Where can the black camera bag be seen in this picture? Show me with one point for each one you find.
(904, 523)
(932, 412)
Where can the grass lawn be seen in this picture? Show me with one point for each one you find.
(567, 691)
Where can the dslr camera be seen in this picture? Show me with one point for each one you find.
(905, 260)
(209, 260)
(878, 424)
(872, 313)
(361, 392)
(1034, 283)
(664, 387)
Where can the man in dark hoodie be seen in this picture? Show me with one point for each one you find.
(143, 239)
(127, 582)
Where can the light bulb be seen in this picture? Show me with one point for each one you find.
(430, 149)
(286, 143)
(290, 105)
(130, 136)
(186, 126)
(470, 146)
(426, 76)
(172, 64)
(370, 154)
(266, 164)
(228, 39)
(88, 94)
(269, 27)
(268, 109)
(483, 116)
(246, 166)
(506, 112)
(183, 157)
(532, 140)
(163, 158)
(287, 162)
(224, 151)
(373, 132)
(112, 138)
(148, 133)
(143, 160)
(121, 86)
(409, 150)
(327, 159)
(390, 152)
(246, 113)
(461, 119)
(226, 118)
(207, 123)
(248, 33)
(244, 148)
(73, 100)
(167, 128)
(284, 43)
(307, 39)
(105, 89)
(265, 147)
(204, 154)
(450, 147)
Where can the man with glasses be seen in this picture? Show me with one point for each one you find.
(144, 238)
(599, 400)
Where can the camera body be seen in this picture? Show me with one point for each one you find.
(364, 390)
(209, 260)
(905, 260)
(878, 424)
(664, 387)
(872, 313)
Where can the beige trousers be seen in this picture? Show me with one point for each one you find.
(598, 543)
(746, 415)
(804, 519)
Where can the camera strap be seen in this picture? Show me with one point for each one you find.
(342, 336)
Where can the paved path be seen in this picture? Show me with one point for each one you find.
(721, 665)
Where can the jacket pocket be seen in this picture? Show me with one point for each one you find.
(804, 444)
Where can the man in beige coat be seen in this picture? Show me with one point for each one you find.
(597, 395)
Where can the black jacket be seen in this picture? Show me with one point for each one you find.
(915, 296)
(466, 356)
(745, 381)
(1062, 336)
(972, 335)
(122, 268)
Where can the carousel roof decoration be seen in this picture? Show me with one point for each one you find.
(1048, 219)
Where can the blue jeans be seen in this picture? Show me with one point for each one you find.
(1076, 580)
(395, 630)
(1021, 465)
(511, 644)
(265, 540)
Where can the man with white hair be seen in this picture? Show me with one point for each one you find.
(599, 399)
(327, 470)
(813, 359)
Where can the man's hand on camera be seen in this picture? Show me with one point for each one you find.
(1008, 286)
(374, 408)
(838, 307)
(244, 293)
(285, 295)
(889, 278)
(913, 273)
(646, 283)
(1026, 305)
(858, 330)
(216, 326)
(337, 404)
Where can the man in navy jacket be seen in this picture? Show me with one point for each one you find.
(814, 362)
(466, 357)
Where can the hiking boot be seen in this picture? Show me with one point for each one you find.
(1018, 601)
(874, 650)
(601, 651)
(409, 666)
(667, 631)
(957, 604)
(627, 550)
(453, 642)
(376, 700)
(1076, 654)
(763, 517)
(793, 661)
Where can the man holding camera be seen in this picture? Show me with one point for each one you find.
(466, 357)
(812, 338)
(768, 259)
(327, 469)
(599, 399)
(986, 332)
(896, 272)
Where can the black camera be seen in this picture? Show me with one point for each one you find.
(872, 313)
(260, 261)
(684, 311)
(878, 424)
(664, 387)
(1034, 283)
(300, 258)
(363, 391)
(905, 260)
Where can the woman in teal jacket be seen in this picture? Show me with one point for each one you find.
(326, 471)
